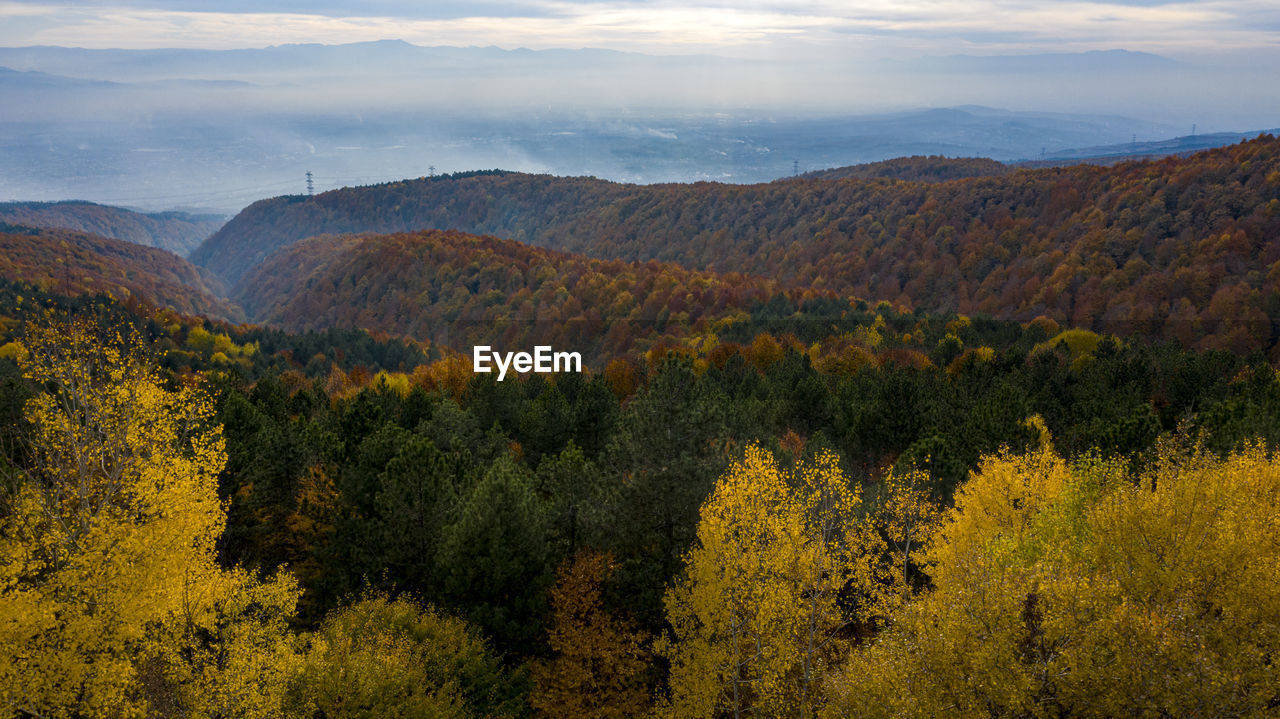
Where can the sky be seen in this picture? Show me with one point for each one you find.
(255, 127)
(1243, 30)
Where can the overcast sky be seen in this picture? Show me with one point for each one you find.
(774, 29)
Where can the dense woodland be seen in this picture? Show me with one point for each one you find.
(177, 232)
(1174, 249)
(918, 168)
(459, 290)
(72, 262)
(552, 545)
(764, 497)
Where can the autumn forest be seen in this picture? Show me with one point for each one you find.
(928, 437)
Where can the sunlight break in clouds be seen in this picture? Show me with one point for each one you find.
(779, 28)
(674, 29)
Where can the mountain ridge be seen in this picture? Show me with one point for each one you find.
(458, 289)
(1179, 248)
(177, 232)
(73, 263)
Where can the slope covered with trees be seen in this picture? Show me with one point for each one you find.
(177, 232)
(459, 290)
(917, 168)
(72, 262)
(1182, 248)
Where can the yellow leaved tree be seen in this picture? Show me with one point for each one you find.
(384, 658)
(779, 566)
(111, 602)
(908, 517)
(1084, 590)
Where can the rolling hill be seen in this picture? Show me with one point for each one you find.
(1180, 248)
(920, 168)
(73, 263)
(458, 289)
(177, 232)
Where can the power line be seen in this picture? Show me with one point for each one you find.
(207, 193)
(253, 192)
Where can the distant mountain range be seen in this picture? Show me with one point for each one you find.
(221, 128)
(1106, 154)
(13, 80)
(380, 58)
(1095, 61)
(214, 159)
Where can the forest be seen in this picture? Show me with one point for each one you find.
(1175, 249)
(72, 262)
(177, 232)
(918, 168)
(916, 439)
(459, 290)
(795, 516)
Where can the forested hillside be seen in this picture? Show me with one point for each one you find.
(459, 290)
(177, 232)
(1180, 249)
(74, 262)
(918, 168)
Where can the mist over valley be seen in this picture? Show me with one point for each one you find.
(218, 129)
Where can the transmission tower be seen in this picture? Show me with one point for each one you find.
(311, 188)
(431, 170)
(795, 167)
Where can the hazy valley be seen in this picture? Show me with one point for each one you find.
(215, 130)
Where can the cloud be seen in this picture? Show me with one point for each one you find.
(407, 9)
(627, 26)
(887, 27)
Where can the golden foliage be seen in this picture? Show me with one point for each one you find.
(621, 376)
(14, 351)
(449, 374)
(908, 518)
(1079, 343)
(755, 614)
(765, 351)
(1082, 590)
(112, 602)
(397, 383)
(385, 657)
